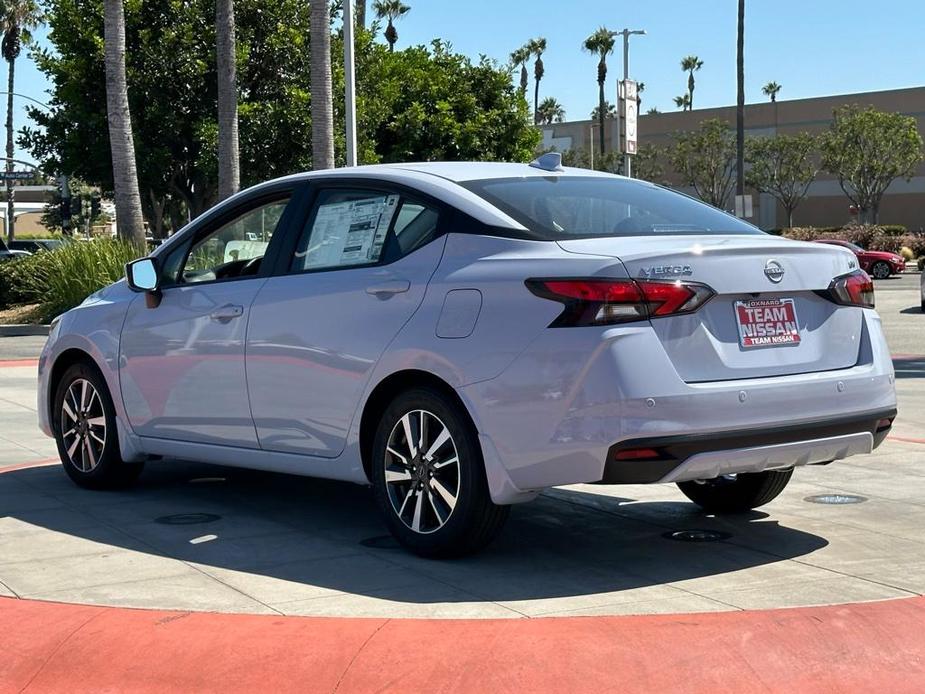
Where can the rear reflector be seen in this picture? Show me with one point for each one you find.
(605, 302)
(638, 454)
(853, 289)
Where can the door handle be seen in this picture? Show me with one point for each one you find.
(384, 290)
(226, 313)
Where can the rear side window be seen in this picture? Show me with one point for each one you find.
(563, 207)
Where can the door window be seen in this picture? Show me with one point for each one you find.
(236, 248)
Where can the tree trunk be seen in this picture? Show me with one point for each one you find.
(740, 103)
(229, 172)
(536, 102)
(124, 174)
(10, 213)
(361, 13)
(602, 103)
(690, 91)
(322, 99)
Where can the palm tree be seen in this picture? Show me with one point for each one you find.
(391, 10)
(610, 111)
(771, 89)
(600, 43)
(690, 65)
(520, 58)
(550, 111)
(229, 171)
(537, 48)
(17, 19)
(740, 102)
(683, 101)
(124, 174)
(361, 13)
(322, 97)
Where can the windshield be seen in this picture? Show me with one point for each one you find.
(562, 207)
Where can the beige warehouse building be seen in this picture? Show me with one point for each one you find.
(826, 204)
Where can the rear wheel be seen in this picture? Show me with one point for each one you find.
(429, 477)
(85, 431)
(880, 270)
(736, 493)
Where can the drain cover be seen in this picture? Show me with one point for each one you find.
(836, 499)
(696, 535)
(380, 542)
(187, 519)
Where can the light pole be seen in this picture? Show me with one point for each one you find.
(350, 85)
(626, 33)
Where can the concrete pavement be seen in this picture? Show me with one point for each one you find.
(197, 537)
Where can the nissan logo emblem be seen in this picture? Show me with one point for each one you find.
(774, 271)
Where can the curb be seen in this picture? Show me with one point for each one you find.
(24, 330)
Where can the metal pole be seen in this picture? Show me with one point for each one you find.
(591, 140)
(350, 85)
(627, 159)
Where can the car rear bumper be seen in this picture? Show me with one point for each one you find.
(556, 413)
(706, 456)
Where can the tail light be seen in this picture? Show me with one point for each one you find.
(854, 289)
(605, 302)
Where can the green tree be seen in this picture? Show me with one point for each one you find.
(705, 160)
(322, 87)
(519, 59)
(647, 164)
(600, 43)
(391, 10)
(770, 90)
(537, 48)
(129, 219)
(866, 150)
(683, 102)
(690, 64)
(782, 167)
(550, 111)
(17, 20)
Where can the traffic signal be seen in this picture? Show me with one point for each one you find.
(95, 206)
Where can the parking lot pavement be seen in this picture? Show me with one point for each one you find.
(198, 537)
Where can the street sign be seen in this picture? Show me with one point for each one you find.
(630, 116)
(17, 175)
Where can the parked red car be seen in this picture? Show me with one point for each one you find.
(877, 264)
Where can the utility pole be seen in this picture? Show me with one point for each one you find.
(626, 33)
(350, 84)
(740, 107)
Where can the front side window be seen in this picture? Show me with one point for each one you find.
(563, 207)
(235, 249)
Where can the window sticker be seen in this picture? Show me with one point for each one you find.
(349, 233)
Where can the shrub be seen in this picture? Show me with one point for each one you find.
(907, 253)
(61, 279)
(893, 229)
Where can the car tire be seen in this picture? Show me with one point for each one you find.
(880, 270)
(433, 496)
(736, 493)
(84, 422)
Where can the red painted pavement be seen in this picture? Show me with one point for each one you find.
(31, 363)
(49, 647)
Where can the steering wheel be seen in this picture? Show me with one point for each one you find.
(251, 267)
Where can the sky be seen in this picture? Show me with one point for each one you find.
(811, 47)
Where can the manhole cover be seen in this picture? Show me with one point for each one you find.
(836, 499)
(187, 519)
(696, 535)
(381, 542)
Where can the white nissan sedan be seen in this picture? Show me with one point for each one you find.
(462, 336)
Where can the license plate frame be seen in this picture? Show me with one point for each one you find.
(764, 323)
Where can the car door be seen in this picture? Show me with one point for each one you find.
(182, 359)
(355, 274)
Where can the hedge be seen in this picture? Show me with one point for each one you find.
(870, 236)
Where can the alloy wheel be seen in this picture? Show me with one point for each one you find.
(422, 471)
(880, 271)
(83, 425)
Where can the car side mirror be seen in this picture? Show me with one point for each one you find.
(142, 276)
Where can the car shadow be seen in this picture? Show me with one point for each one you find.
(913, 310)
(324, 534)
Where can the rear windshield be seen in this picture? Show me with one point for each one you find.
(563, 207)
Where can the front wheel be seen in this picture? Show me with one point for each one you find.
(429, 478)
(85, 431)
(736, 493)
(880, 270)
